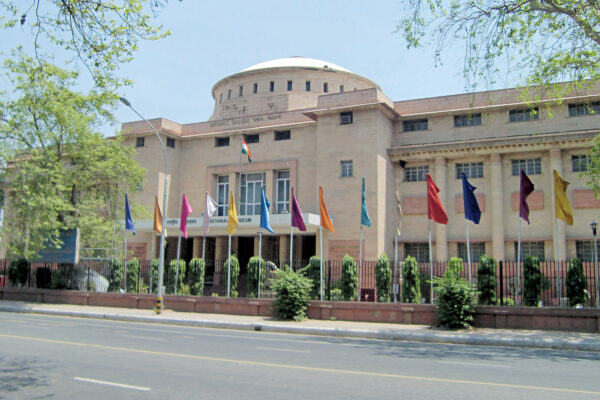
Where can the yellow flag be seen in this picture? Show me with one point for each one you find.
(563, 207)
(157, 217)
(233, 221)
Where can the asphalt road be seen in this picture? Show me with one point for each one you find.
(46, 357)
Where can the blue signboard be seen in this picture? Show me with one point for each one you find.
(68, 252)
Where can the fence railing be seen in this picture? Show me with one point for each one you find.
(94, 275)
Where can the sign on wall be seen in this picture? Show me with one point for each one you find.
(137, 250)
(67, 253)
(339, 248)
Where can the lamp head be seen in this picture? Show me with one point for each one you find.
(594, 226)
(125, 101)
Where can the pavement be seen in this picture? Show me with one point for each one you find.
(380, 331)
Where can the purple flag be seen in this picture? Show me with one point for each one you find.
(186, 210)
(297, 220)
(526, 189)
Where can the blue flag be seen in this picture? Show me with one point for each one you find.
(264, 211)
(128, 220)
(364, 215)
(472, 211)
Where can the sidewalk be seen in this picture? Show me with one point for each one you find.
(417, 333)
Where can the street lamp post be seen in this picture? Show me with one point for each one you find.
(594, 226)
(161, 262)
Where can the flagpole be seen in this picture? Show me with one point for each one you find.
(291, 246)
(556, 247)
(125, 261)
(177, 268)
(151, 258)
(259, 258)
(321, 260)
(396, 283)
(203, 246)
(430, 263)
(469, 253)
(519, 264)
(229, 267)
(360, 256)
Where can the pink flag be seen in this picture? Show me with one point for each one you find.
(186, 210)
(297, 219)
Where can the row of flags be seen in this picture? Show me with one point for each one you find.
(437, 213)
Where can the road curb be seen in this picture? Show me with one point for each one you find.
(442, 337)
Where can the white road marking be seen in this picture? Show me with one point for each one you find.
(474, 364)
(288, 350)
(143, 337)
(121, 385)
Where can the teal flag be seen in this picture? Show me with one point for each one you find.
(364, 215)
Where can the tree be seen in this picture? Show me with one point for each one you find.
(383, 279)
(545, 41)
(456, 297)
(349, 279)
(101, 34)
(486, 280)
(59, 172)
(411, 287)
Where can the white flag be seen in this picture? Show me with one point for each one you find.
(209, 210)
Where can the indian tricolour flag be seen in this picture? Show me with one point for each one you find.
(246, 150)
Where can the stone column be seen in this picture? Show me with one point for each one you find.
(284, 250)
(558, 231)
(441, 231)
(197, 247)
(497, 206)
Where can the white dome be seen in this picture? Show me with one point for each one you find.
(295, 62)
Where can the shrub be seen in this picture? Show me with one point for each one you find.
(235, 272)
(576, 283)
(348, 281)
(336, 294)
(115, 276)
(174, 275)
(196, 276)
(252, 281)
(411, 286)
(60, 279)
(456, 297)
(18, 272)
(292, 291)
(486, 280)
(532, 281)
(43, 278)
(507, 301)
(313, 272)
(383, 279)
(154, 264)
(133, 273)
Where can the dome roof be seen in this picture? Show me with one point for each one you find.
(295, 62)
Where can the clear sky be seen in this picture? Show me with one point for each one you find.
(173, 77)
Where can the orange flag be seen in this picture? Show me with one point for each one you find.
(157, 217)
(325, 221)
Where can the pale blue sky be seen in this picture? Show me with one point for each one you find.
(173, 77)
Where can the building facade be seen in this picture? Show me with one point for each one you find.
(310, 123)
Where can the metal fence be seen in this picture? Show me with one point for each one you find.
(94, 275)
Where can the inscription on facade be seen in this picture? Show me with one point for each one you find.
(243, 121)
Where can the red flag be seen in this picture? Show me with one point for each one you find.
(435, 209)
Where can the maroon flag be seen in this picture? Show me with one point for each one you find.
(525, 190)
(435, 209)
(297, 220)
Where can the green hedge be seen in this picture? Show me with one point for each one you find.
(383, 279)
(235, 272)
(532, 281)
(253, 280)
(349, 279)
(576, 283)
(196, 272)
(486, 280)
(455, 304)
(292, 291)
(411, 285)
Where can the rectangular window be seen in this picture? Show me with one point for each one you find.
(420, 251)
(471, 170)
(221, 98)
(282, 135)
(416, 174)
(222, 195)
(467, 120)
(282, 202)
(289, 86)
(531, 166)
(530, 114)
(341, 88)
(346, 168)
(535, 249)
(271, 86)
(415, 125)
(346, 118)
(325, 87)
(584, 250)
(580, 163)
(139, 142)
(576, 110)
(241, 91)
(308, 86)
(255, 88)
(477, 250)
(229, 94)
(221, 141)
(254, 138)
(250, 193)
(171, 142)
